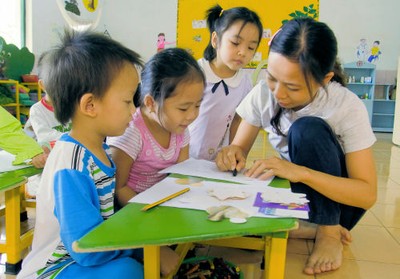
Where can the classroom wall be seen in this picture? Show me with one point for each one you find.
(352, 20)
(136, 24)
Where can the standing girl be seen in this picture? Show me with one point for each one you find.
(158, 136)
(322, 132)
(234, 37)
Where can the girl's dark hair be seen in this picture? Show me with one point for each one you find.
(313, 46)
(165, 70)
(83, 62)
(220, 20)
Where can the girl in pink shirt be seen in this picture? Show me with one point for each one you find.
(157, 137)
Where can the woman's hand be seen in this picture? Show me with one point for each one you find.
(274, 166)
(230, 157)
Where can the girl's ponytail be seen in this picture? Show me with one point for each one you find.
(212, 16)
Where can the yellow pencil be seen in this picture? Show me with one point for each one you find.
(151, 205)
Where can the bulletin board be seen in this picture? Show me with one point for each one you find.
(192, 32)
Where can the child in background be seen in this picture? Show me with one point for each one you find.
(91, 82)
(234, 38)
(42, 123)
(322, 132)
(11, 132)
(172, 85)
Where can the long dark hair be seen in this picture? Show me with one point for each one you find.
(311, 44)
(220, 20)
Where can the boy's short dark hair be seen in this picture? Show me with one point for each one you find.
(83, 62)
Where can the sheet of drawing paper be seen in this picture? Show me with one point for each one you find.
(208, 169)
(199, 196)
(6, 160)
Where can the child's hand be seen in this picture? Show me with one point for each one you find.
(169, 260)
(40, 160)
(230, 157)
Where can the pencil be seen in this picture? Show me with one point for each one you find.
(151, 205)
(234, 172)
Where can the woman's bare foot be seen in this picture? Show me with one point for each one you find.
(308, 230)
(327, 253)
(345, 236)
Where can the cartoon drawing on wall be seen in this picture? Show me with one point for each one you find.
(197, 38)
(267, 33)
(90, 5)
(375, 52)
(161, 42)
(81, 15)
(72, 6)
(362, 50)
(106, 32)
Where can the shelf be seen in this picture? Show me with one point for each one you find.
(360, 83)
(386, 90)
(19, 107)
(384, 106)
(379, 106)
(383, 114)
(382, 130)
(16, 105)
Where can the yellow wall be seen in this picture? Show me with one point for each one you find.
(192, 32)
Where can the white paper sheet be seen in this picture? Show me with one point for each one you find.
(207, 169)
(198, 197)
(6, 160)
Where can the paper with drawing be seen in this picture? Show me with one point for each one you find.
(207, 169)
(205, 194)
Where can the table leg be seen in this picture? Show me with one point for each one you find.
(275, 258)
(182, 250)
(13, 230)
(151, 262)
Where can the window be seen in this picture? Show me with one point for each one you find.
(12, 22)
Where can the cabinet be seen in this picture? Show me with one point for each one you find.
(361, 80)
(383, 110)
(357, 74)
(18, 108)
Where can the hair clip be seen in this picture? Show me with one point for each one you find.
(220, 14)
(273, 36)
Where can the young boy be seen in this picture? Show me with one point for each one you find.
(92, 83)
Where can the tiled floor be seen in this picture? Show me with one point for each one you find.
(375, 250)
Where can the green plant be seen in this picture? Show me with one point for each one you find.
(308, 11)
(14, 62)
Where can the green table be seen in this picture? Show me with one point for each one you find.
(131, 228)
(11, 183)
